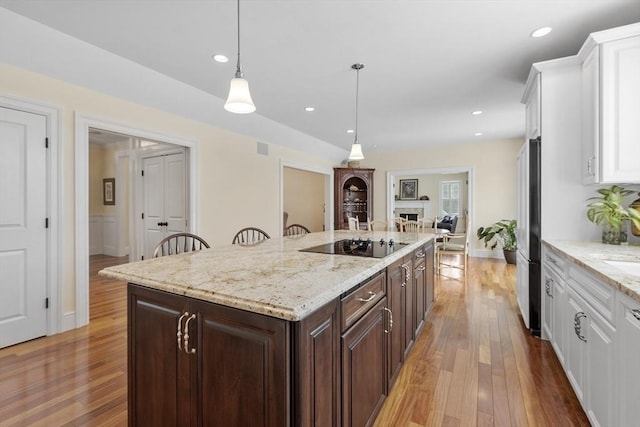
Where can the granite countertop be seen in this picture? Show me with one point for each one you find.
(271, 278)
(593, 256)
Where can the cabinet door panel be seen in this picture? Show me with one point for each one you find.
(242, 368)
(364, 385)
(600, 370)
(395, 293)
(419, 289)
(620, 77)
(576, 348)
(628, 362)
(157, 400)
(317, 370)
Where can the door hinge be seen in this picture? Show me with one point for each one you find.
(142, 172)
(46, 303)
(142, 215)
(46, 142)
(143, 257)
(46, 223)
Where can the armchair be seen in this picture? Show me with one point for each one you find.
(449, 222)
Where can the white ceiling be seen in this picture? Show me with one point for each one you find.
(428, 64)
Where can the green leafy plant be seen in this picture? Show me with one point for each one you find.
(502, 232)
(607, 209)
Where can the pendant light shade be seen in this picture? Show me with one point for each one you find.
(239, 100)
(356, 148)
(356, 151)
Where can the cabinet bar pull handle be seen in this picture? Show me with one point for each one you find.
(179, 333)
(547, 286)
(577, 325)
(371, 296)
(407, 274)
(186, 335)
(420, 268)
(636, 313)
(420, 255)
(386, 331)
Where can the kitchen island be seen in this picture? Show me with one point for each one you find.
(270, 335)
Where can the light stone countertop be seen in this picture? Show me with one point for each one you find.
(271, 278)
(592, 256)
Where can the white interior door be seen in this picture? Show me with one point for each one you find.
(164, 197)
(23, 236)
(174, 194)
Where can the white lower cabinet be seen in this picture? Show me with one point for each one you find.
(628, 361)
(595, 332)
(576, 343)
(599, 369)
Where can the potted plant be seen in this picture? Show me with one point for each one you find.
(502, 232)
(607, 210)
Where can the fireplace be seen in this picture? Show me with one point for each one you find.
(409, 216)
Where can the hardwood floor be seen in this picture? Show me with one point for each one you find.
(77, 378)
(473, 364)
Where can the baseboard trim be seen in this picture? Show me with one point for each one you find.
(68, 321)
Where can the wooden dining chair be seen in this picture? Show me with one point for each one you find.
(179, 243)
(249, 236)
(296, 229)
(397, 224)
(373, 225)
(454, 244)
(413, 226)
(354, 224)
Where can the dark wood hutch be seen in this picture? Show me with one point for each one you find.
(353, 196)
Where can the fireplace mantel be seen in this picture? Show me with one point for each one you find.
(420, 207)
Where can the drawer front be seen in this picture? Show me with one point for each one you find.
(555, 262)
(358, 302)
(599, 295)
(418, 257)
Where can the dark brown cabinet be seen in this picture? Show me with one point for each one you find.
(353, 192)
(317, 368)
(400, 295)
(364, 368)
(423, 281)
(197, 363)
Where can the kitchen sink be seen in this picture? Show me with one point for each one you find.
(628, 267)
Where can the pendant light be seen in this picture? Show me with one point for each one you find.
(239, 100)
(356, 148)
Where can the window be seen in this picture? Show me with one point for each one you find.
(450, 197)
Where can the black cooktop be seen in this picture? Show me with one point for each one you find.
(358, 247)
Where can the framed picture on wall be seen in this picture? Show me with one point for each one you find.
(408, 189)
(109, 191)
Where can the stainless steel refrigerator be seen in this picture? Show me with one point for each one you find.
(528, 285)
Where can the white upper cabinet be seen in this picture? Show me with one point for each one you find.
(611, 106)
(533, 109)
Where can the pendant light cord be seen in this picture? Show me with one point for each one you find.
(357, 67)
(238, 66)
(357, 91)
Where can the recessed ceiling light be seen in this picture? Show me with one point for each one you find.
(477, 112)
(220, 58)
(349, 130)
(541, 32)
(309, 109)
(478, 134)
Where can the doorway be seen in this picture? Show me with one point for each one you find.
(141, 143)
(434, 181)
(306, 195)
